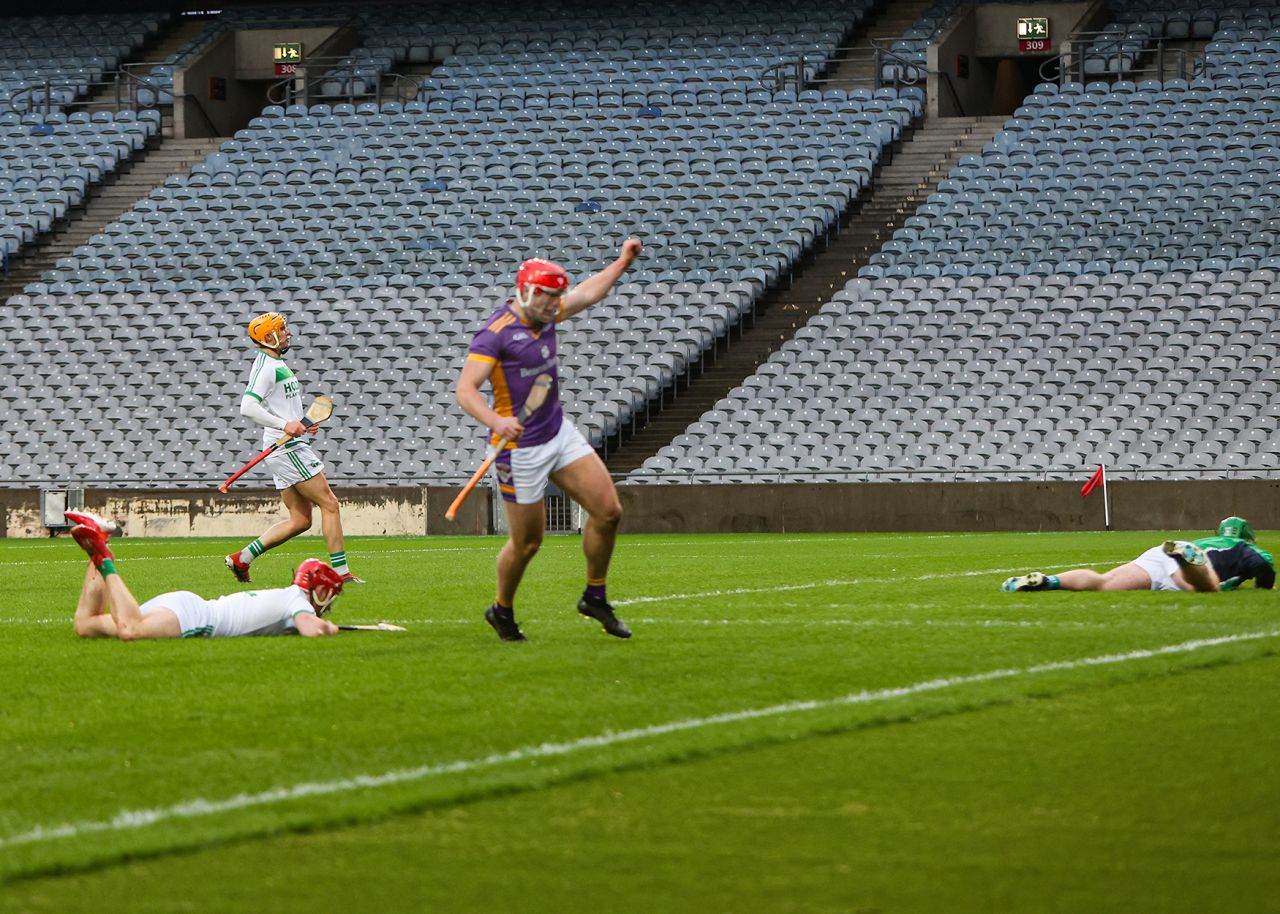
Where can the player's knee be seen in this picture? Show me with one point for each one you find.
(611, 513)
(328, 502)
(84, 628)
(529, 548)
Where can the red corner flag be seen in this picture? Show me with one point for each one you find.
(1099, 475)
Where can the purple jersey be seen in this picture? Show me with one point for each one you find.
(518, 355)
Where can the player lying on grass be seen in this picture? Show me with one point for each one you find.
(273, 399)
(108, 610)
(1220, 562)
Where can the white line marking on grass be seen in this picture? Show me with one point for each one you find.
(124, 548)
(190, 809)
(783, 588)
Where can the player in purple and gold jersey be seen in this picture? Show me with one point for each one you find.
(517, 344)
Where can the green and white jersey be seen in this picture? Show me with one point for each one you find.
(273, 385)
(252, 612)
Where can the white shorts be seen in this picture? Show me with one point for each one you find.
(1160, 567)
(194, 618)
(292, 465)
(522, 472)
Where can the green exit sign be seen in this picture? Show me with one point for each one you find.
(1033, 34)
(287, 53)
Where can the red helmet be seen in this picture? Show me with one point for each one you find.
(314, 573)
(539, 274)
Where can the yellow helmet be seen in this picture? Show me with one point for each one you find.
(265, 329)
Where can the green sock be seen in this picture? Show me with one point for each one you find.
(252, 551)
(107, 567)
(1051, 582)
(339, 561)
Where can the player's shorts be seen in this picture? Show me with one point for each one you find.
(195, 618)
(522, 472)
(292, 465)
(1160, 567)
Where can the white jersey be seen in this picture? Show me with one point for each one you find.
(273, 385)
(244, 614)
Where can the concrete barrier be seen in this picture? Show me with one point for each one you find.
(760, 508)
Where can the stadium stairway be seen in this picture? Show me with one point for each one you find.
(853, 67)
(104, 203)
(916, 167)
(170, 40)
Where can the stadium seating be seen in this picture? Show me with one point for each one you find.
(1099, 285)
(1008, 376)
(47, 160)
(388, 233)
(48, 61)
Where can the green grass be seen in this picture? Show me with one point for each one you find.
(804, 723)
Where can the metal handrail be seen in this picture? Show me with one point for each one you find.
(955, 96)
(213, 128)
(47, 85)
(128, 82)
(1070, 62)
(386, 87)
(791, 73)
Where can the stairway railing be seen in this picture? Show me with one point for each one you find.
(1119, 59)
(889, 70)
(314, 81)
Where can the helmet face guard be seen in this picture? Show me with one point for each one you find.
(313, 574)
(1237, 527)
(268, 329)
(539, 275)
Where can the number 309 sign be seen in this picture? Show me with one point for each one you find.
(1033, 34)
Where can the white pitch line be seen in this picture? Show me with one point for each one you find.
(811, 585)
(781, 588)
(123, 548)
(140, 818)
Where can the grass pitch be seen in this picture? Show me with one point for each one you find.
(801, 723)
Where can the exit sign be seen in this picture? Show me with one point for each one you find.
(1033, 34)
(286, 57)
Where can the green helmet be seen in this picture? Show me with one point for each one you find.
(1237, 527)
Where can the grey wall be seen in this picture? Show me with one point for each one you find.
(973, 92)
(253, 48)
(243, 60)
(949, 506)
(849, 507)
(242, 102)
(987, 34)
(996, 31)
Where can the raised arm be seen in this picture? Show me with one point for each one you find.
(597, 285)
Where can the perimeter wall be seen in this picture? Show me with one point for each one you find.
(761, 508)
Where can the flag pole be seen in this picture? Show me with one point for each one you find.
(1106, 499)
